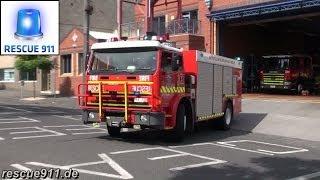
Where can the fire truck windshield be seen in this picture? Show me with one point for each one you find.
(276, 64)
(138, 61)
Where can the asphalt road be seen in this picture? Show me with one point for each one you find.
(34, 137)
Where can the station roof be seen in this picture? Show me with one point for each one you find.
(263, 9)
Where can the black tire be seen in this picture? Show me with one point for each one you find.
(178, 133)
(225, 122)
(300, 88)
(113, 131)
(85, 117)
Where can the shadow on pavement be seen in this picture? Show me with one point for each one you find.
(35, 110)
(248, 121)
(262, 168)
(205, 133)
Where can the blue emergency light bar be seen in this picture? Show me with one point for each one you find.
(28, 24)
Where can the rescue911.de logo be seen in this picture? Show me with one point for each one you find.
(29, 27)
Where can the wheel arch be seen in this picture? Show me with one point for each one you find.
(190, 109)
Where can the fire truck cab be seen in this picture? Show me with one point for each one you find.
(150, 84)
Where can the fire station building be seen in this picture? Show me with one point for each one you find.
(241, 29)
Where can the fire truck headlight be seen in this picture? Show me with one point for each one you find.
(286, 83)
(143, 118)
(93, 77)
(91, 115)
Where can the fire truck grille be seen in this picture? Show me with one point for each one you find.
(273, 79)
(110, 100)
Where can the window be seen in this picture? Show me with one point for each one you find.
(65, 62)
(190, 14)
(28, 75)
(125, 60)
(80, 63)
(159, 25)
(166, 61)
(7, 75)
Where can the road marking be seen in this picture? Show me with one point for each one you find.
(166, 157)
(296, 150)
(89, 133)
(25, 132)
(1, 139)
(86, 127)
(179, 153)
(67, 117)
(81, 129)
(38, 130)
(61, 126)
(227, 146)
(17, 120)
(123, 174)
(73, 125)
(17, 109)
(193, 166)
(306, 177)
(135, 150)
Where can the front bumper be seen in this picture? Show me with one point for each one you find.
(154, 120)
(271, 86)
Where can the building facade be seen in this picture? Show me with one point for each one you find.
(245, 30)
(236, 28)
(102, 19)
(68, 69)
(13, 79)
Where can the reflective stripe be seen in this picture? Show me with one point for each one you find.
(212, 116)
(172, 89)
(230, 95)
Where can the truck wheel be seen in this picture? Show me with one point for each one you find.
(226, 121)
(178, 132)
(299, 89)
(85, 117)
(113, 131)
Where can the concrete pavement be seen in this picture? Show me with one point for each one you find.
(298, 117)
(48, 133)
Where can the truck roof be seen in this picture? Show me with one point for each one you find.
(133, 44)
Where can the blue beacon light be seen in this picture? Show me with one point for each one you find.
(28, 25)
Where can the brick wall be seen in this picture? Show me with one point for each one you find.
(208, 29)
(67, 84)
(225, 4)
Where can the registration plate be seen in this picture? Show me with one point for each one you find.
(273, 86)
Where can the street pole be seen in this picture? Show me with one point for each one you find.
(87, 11)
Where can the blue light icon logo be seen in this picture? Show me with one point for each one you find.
(28, 25)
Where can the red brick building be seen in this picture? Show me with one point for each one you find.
(240, 27)
(68, 71)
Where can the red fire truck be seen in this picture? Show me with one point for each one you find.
(287, 72)
(150, 84)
